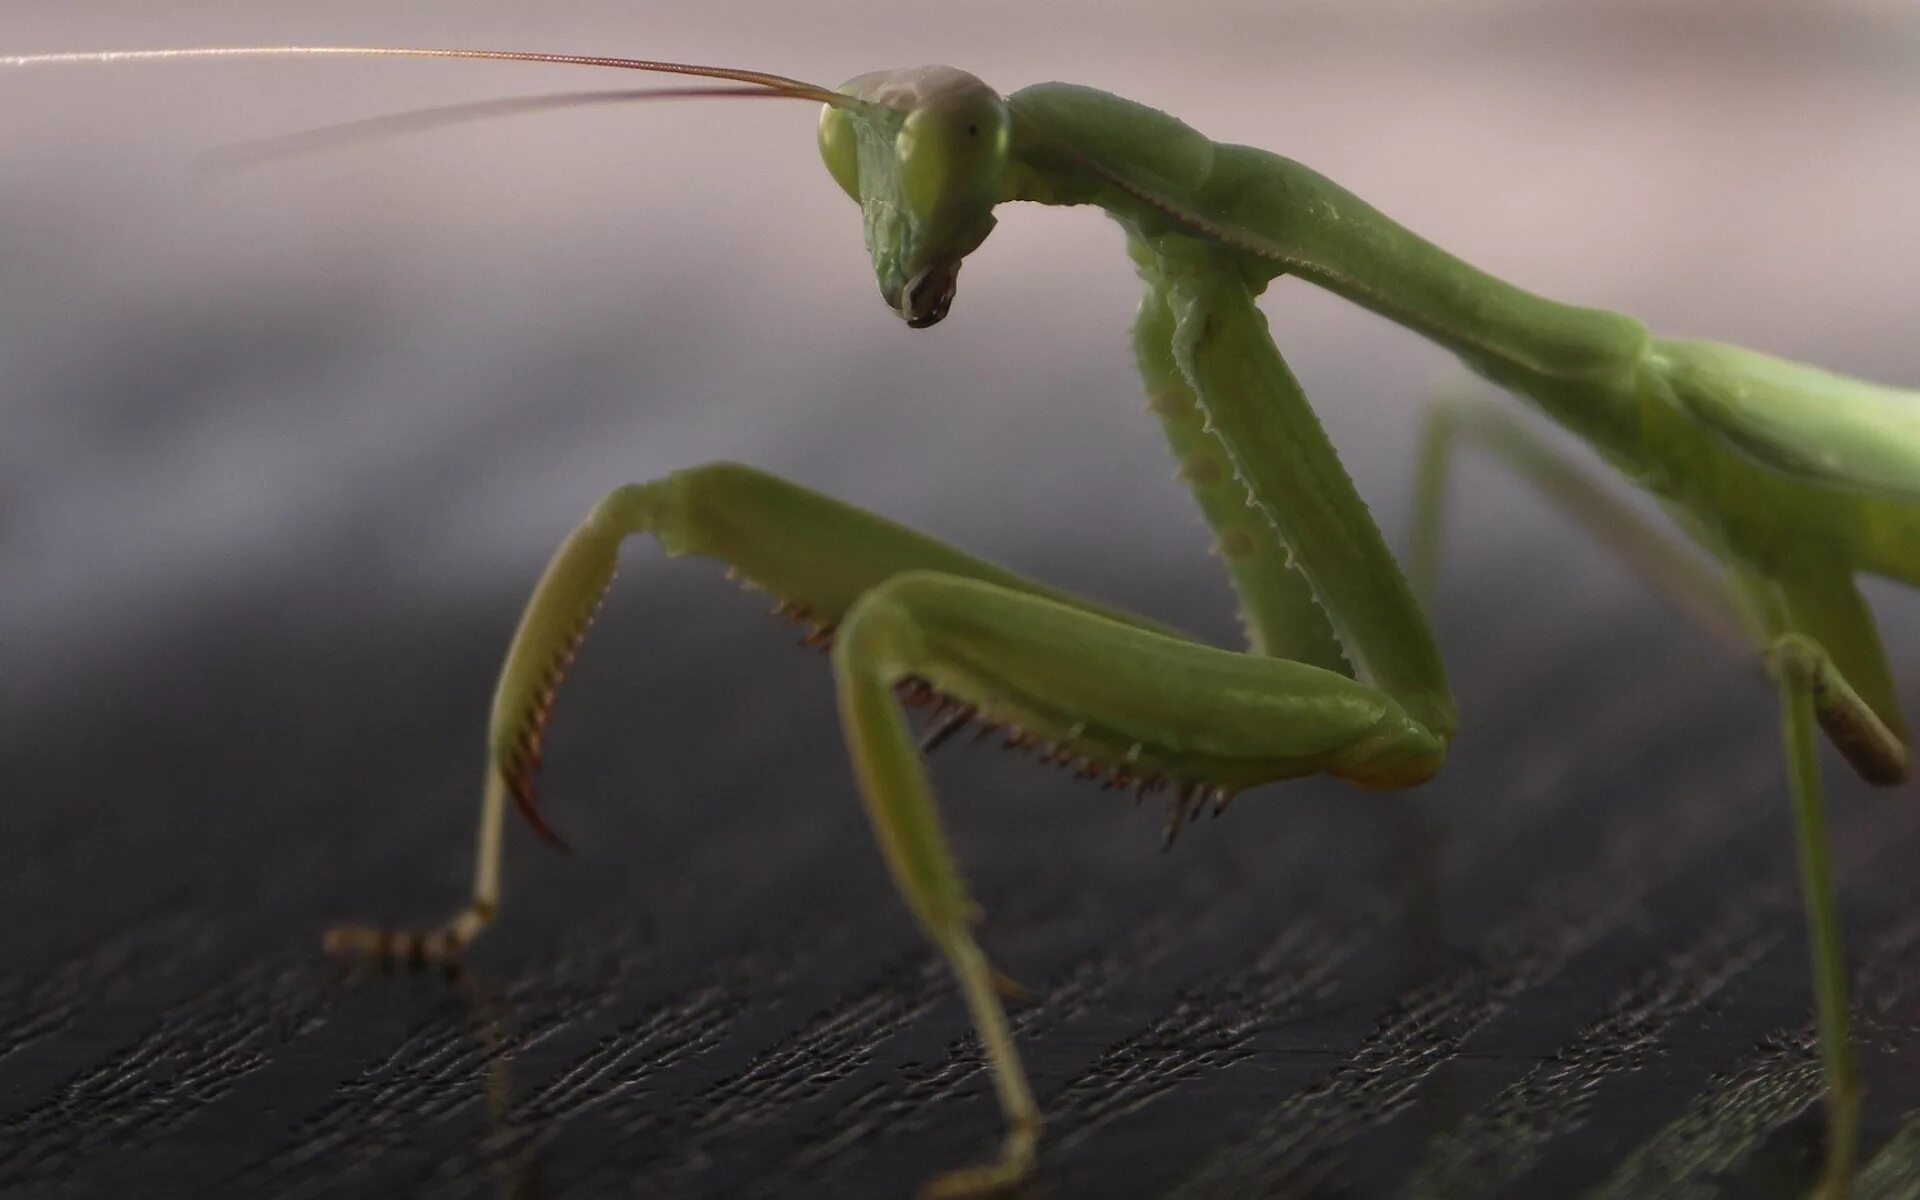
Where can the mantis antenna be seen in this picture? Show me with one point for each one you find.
(445, 116)
(771, 84)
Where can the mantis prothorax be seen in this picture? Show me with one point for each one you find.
(1794, 480)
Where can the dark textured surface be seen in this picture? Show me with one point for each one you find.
(1573, 963)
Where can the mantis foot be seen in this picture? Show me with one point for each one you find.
(1016, 1163)
(442, 947)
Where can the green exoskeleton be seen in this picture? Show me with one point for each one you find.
(1791, 479)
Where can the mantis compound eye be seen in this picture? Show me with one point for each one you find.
(840, 149)
(928, 295)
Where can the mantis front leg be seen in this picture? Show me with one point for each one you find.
(1124, 699)
(814, 554)
(1127, 699)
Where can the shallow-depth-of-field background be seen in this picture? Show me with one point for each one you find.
(282, 450)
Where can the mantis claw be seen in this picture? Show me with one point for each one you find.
(1184, 802)
(526, 801)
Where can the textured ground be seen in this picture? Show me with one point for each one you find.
(1574, 965)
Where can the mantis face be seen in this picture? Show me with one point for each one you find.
(925, 158)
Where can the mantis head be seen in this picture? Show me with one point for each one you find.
(924, 153)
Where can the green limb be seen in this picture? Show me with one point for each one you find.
(1129, 702)
(815, 554)
(1434, 474)
(1283, 618)
(1852, 686)
(1282, 456)
(1817, 687)
(1820, 644)
(1123, 702)
(445, 944)
(1119, 696)
(1674, 571)
(900, 808)
(1876, 753)
(1797, 687)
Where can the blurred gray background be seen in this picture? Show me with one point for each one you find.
(451, 344)
(285, 447)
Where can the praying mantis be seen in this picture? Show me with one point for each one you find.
(1791, 479)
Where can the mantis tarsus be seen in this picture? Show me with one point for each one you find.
(1794, 480)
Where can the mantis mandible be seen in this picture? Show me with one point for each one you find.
(1792, 479)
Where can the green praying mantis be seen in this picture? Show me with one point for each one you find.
(1793, 480)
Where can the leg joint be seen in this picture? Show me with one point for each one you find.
(880, 633)
(1871, 748)
(634, 507)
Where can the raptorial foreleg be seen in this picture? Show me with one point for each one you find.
(813, 554)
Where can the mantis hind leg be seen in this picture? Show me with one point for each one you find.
(1818, 609)
(1675, 571)
(1798, 669)
(1819, 643)
(814, 554)
(1826, 659)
